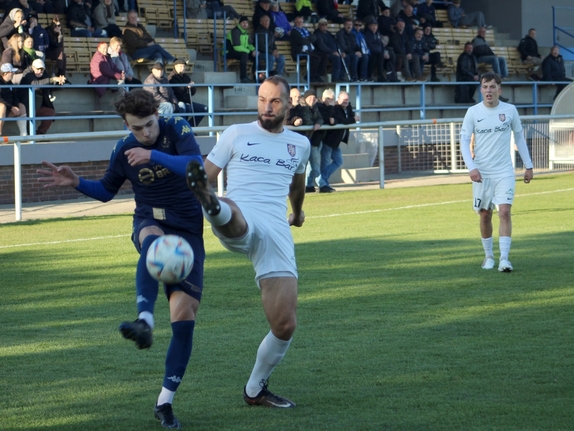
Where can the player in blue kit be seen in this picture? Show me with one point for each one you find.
(491, 171)
(265, 165)
(153, 157)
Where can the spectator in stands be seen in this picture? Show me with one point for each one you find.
(266, 47)
(328, 9)
(10, 105)
(105, 18)
(297, 115)
(186, 91)
(168, 103)
(304, 9)
(409, 19)
(55, 50)
(380, 62)
(303, 42)
(466, 71)
(23, 5)
(363, 60)
(39, 34)
(397, 7)
(29, 6)
(484, 54)
(327, 45)
(240, 47)
(402, 50)
(282, 26)
(15, 55)
(36, 75)
(308, 102)
(419, 55)
(350, 50)
(216, 9)
(528, 48)
(196, 9)
(262, 8)
(30, 52)
(13, 24)
(553, 69)
(121, 61)
(103, 70)
(386, 22)
(81, 20)
(426, 14)
(434, 57)
(331, 155)
(367, 8)
(140, 44)
(458, 18)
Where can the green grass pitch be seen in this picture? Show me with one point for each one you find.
(399, 327)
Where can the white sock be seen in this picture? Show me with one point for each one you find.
(269, 355)
(487, 246)
(148, 317)
(504, 244)
(22, 127)
(220, 219)
(165, 396)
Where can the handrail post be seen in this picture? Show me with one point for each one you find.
(381, 158)
(453, 152)
(18, 180)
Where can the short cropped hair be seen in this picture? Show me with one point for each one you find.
(139, 103)
(278, 80)
(489, 76)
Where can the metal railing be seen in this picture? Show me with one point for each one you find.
(434, 144)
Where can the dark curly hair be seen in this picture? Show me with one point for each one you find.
(139, 103)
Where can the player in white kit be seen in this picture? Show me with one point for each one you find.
(265, 164)
(491, 169)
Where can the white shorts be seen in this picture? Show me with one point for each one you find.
(268, 243)
(492, 192)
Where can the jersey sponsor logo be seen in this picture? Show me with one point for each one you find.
(185, 130)
(483, 130)
(256, 159)
(253, 143)
(501, 117)
(165, 143)
(292, 150)
(148, 176)
(290, 164)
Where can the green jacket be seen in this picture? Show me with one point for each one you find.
(239, 40)
(299, 4)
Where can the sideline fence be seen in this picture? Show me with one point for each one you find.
(416, 147)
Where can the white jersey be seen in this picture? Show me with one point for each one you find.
(491, 128)
(260, 164)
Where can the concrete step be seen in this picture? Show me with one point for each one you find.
(352, 161)
(360, 175)
(249, 102)
(210, 77)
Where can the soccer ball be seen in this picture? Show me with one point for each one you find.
(169, 259)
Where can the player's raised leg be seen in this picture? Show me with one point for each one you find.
(279, 298)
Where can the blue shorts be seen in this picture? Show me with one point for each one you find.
(193, 284)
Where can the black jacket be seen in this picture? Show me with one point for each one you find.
(326, 42)
(326, 112)
(77, 14)
(528, 47)
(261, 46)
(342, 116)
(374, 42)
(298, 42)
(367, 8)
(181, 93)
(553, 69)
(400, 43)
(30, 78)
(8, 96)
(466, 67)
(347, 42)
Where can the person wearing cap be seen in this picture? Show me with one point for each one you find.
(410, 20)
(240, 47)
(265, 38)
(186, 91)
(37, 76)
(328, 9)
(14, 23)
(350, 49)
(327, 45)
(168, 103)
(10, 105)
(380, 60)
(308, 102)
(140, 44)
(103, 70)
(121, 60)
(363, 62)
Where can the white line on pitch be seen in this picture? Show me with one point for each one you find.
(312, 217)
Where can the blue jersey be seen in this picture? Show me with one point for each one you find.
(160, 194)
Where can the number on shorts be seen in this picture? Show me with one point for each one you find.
(477, 203)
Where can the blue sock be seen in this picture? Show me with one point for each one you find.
(146, 285)
(178, 353)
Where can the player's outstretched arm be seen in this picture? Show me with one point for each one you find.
(57, 176)
(296, 197)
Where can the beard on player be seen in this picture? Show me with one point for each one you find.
(271, 124)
